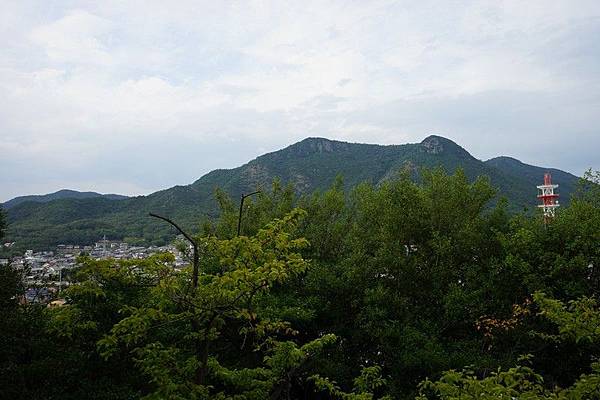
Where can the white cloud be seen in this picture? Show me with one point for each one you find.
(75, 38)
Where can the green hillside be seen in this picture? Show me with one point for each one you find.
(309, 165)
(61, 194)
(524, 178)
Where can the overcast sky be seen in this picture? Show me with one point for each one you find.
(135, 96)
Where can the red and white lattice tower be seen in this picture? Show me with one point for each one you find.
(548, 197)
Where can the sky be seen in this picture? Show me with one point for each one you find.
(132, 97)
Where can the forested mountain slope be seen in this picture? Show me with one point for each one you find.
(309, 165)
(61, 194)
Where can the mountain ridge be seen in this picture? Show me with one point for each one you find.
(309, 165)
(60, 194)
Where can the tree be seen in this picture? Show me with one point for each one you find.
(220, 339)
(589, 187)
(578, 322)
(367, 293)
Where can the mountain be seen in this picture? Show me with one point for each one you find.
(310, 165)
(61, 194)
(530, 176)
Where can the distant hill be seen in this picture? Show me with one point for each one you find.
(61, 194)
(525, 177)
(309, 165)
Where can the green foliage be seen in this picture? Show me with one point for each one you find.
(519, 382)
(396, 253)
(578, 321)
(174, 335)
(368, 382)
(588, 188)
(369, 291)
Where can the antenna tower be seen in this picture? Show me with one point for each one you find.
(548, 197)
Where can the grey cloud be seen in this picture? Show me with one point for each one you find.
(137, 96)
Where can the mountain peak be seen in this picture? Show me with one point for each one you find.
(314, 145)
(504, 160)
(435, 144)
